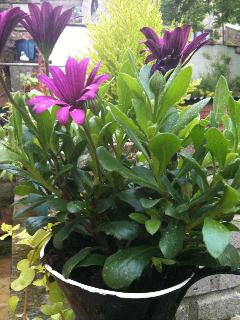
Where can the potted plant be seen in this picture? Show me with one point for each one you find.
(25, 43)
(129, 235)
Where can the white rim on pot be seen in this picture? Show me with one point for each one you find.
(125, 295)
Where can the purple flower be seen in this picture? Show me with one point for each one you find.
(167, 51)
(46, 25)
(8, 20)
(70, 89)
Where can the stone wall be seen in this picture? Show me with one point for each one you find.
(232, 36)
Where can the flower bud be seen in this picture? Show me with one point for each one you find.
(187, 188)
(95, 105)
(157, 83)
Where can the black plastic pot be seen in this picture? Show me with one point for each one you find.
(90, 303)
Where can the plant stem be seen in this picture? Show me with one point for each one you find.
(25, 116)
(92, 150)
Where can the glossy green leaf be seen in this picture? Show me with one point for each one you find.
(57, 204)
(64, 232)
(218, 145)
(138, 217)
(93, 259)
(78, 150)
(142, 113)
(152, 226)
(122, 230)
(126, 265)
(121, 118)
(25, 278)
(66, 168)
(51, 310)
(133, 85)
(76, 206)
(230, 257)
(7, 155)
(34, 148)
(197, 167)
(125, 95)
(12, 303)
(55, 293)
(24, 190)
(132, 197)
(176, 91)
(163, 146)
(104, 204)
(73, 261)
(147, 203)
(45, 126)
(111, 164)
(173, 212)
(215, 237)
(189, 115)
(144, 77)
(198, 135)
(25, 209)
(35, 223)
(172, 241)
(220, 100)
(174, 193)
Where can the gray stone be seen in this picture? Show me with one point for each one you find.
(218, 306)
(182, 313)
(228, 281)
(200, 287)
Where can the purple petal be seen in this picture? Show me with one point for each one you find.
(40, 99)
(93, 74)
(194, 44)
(78, 116)
(100, 79)
(82, 72)
(61, 83)
(48, 82)
(42, 106)
(150, 34)
(72, 75)
(2, 95)
(62, 115)
(88, 95)
(153, 47)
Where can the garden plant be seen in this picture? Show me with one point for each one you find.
(136, 232)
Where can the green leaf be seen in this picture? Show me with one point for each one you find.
(64, 232)
(198, 135)
(104, 204)
(144, 76)
(125, 266)
(234, 112)
(111, 164)
(138, 217)
(163, 146)
(168, 186)
(25, 278)
(73, 261)
(142, 113)
(125, 95)
(93, 259)
(24, 190)
(232, 257)
(17, 120)
(218, 145)
(191, 113)
(133, 85)
(196, 166)
(122, 119)
(104, 89)
(76, 206)
(220, 100)
(152, 226)
(147, 203)
(25, 209)
(173, 212)
(122, 230)
(65, 168)
(78, 150)
(215, 237)
(7, 155)
(45, 126)
(34, 148)
(51, 310)
(172, 241)
(55, 293)
(57, 204)
(176, 91)
(12, 303)
(132, 197)
(35, 223)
